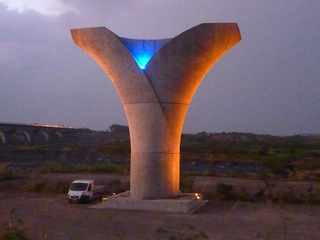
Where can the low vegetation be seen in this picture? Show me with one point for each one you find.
(116, 148)
(14, 229)
(181, 232)
(59, 167)
(227, 192)
(290, 156)
(6, 173)
(46, 186)
(186, 183)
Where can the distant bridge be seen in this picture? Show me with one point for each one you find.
(37, 134)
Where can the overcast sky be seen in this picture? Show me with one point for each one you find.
(269, 83)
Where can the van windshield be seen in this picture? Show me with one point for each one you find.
(78, 186)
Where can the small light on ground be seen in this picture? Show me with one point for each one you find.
(198, 196)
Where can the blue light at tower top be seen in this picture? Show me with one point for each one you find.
(143, 59)
(143, 50)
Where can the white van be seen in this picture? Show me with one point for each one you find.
(84, 191)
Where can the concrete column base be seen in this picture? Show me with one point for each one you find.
(183, 203)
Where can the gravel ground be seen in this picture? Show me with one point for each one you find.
(51, 217)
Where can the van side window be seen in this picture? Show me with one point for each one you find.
(90, 187)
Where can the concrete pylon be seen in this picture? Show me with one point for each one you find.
(155, 80)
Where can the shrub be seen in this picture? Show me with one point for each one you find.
(212, 195)
(116, 186)
(225, 191)
(291, 197)
(14, 235)
(5, 173)
(243, 195)
(14, 229)
(314, 198)
(186, 183)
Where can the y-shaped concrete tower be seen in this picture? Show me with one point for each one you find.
(155, 80)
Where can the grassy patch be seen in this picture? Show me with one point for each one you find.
(54, 167)
(270, 193)
(45, 186)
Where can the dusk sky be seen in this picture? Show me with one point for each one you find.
(269, 83)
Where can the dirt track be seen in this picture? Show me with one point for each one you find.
(53, 217)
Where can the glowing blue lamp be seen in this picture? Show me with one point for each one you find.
(142, 59)
(143, 50)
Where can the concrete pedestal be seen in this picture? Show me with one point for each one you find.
(182, 203)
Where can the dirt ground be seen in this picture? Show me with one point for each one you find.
(51, 217)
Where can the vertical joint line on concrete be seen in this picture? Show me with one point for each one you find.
(156, 94)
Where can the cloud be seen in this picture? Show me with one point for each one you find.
(47, 7)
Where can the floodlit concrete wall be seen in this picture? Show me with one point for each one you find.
(156, 99)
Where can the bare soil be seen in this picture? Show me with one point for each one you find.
(51, 217)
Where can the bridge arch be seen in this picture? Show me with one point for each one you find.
(22, 137)
(40, 137)
(56, 137)
(3, 139)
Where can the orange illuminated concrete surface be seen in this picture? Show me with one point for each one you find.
(156, 80)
